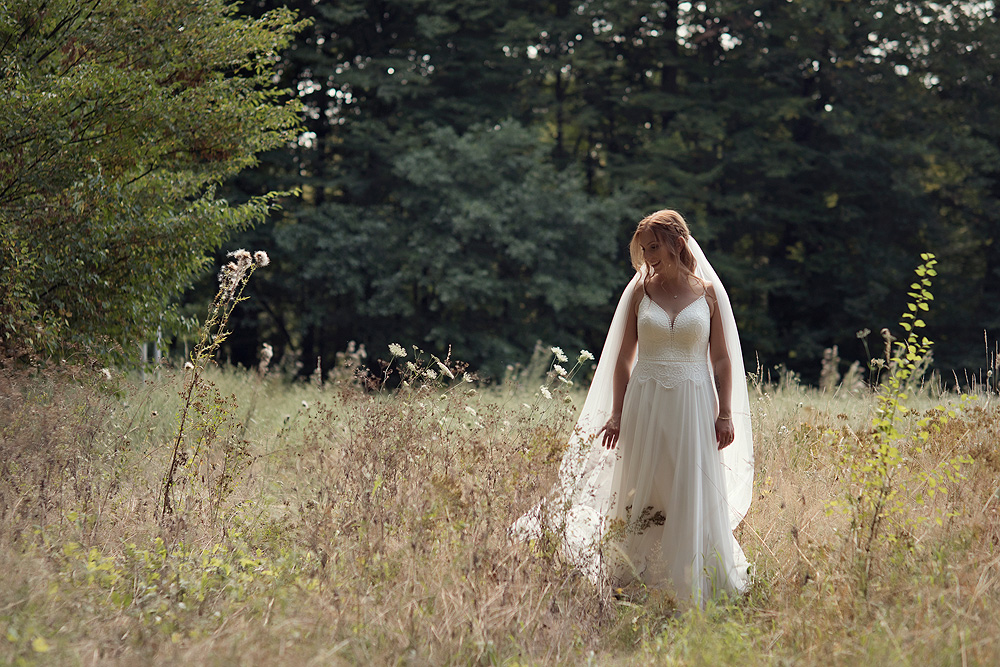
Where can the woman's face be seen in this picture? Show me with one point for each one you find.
(656, 253)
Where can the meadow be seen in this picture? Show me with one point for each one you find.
(339, 523)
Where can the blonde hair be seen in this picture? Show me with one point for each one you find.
(666, 226)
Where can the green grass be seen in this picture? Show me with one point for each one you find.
(333, 525)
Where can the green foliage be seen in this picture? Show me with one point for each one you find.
(883, 487)
(482, 247)
(119, 119)
(814, 147)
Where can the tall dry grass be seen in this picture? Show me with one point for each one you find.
(370, 527)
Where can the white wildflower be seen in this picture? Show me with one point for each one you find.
(584, 356)
(396, 350)
(545, 391)
(410, 366)
(444, 370)
(470, 410)
(565, 381)
(266, 353)
(467, 378)
(431, 374)
(241, 256)
(261, 258)
(228, 274)
(106, 373)
(230, 277)
(560, 370)
(560, 355)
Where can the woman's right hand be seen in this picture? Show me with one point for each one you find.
(611, 430)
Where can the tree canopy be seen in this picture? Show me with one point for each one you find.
(815, 146)
(119, 119)
(469, 171)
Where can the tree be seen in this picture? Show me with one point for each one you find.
(808, 143)
(428, 214)
(816, 147)
(119, 119)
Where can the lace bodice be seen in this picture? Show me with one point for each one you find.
(672, 351)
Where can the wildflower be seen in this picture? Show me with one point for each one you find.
(467, 378)
(444, 370)
(430, 373)
(230, 277)
(396, 350)
(545, 391)
(560, 370)
(261, 258)
(566, 382)
(106, 373)
(241, 256)
(470, 410)
(560, 355)
(584, 356)
(410, 366)
(188, 365)
(266, 353)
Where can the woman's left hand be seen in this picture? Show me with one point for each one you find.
(724, 432)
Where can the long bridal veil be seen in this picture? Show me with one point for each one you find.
(577, 507)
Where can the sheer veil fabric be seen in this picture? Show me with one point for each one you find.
(579, 504)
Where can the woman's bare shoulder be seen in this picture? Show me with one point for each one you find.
(638, 291)
(710, 295)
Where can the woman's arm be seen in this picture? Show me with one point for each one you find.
(722, 372)
(623, 371)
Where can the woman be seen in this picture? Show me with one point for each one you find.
(660, 467)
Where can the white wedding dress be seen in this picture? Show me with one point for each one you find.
(669, 517)
(662, 505)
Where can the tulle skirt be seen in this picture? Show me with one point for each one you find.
(669, 524)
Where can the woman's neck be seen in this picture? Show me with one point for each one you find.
(670, 278)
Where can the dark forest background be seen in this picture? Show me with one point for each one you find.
(471, 172)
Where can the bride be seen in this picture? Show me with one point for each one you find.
(659, 470)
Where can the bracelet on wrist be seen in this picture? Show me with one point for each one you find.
(728, 419)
